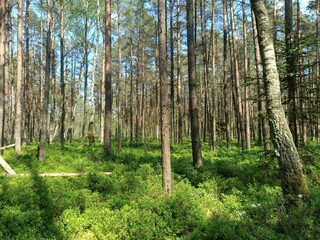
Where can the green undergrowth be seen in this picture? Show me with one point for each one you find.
(234, 196)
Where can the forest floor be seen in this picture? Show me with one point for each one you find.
(235, 195)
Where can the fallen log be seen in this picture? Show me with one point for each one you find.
(7, 167)
(5, 147)
(54, 174)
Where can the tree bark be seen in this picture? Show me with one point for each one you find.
(63, 92)
(193, 99)
(44, 125)
(18, 117)
(27, 133)
(225, 77)
(86, 70)
(238, 100)
(291, 71)
(205, 68)
(108, 80)
(263, 129)
(172, 129)
(119, 81)
(213, 134)
(165, 113)
(131, 90)
(2, 76)
(246, 77)
(293, 180)
(179, 77)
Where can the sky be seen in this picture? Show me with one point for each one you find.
(304, 4)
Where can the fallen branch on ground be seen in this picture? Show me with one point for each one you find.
(53, 174)
(5, 147)
(7, 167)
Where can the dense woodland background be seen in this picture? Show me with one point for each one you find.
(92, 85)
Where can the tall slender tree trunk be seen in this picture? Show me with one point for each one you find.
(213, 80)
(172, 129)
(63, 91)
(119, 80)
(293, 181)
(6, 110)
(238, 100)
(225, 76)
(193, 99)
(18, 117)
(131, 90)
(165, 113)
(291, 72)
(205, 68)
(41, 90)
(28, 85)
(86, 70)
(108, 80)
(2, 73)
(179, 76)
(301, 83)
(102, 103)
(246, 77)
(53, 127)
(44, 125)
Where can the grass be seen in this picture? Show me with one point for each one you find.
(234, 196)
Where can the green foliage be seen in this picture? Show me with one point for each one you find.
(234, 196)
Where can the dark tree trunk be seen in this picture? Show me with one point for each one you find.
(225, 77)
(179, 77)
(44, 125)
(291, 71)
(193, 99)
(108, 80)
(2, 76)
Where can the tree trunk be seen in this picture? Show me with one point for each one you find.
(238, 100)
(293, 181)
(165, 114)
(213, 137)
(6, 110)
(28, 85)
(18, 120)
(2, 76)
(263, 130)
(205, 68)
(63, 92)
(86, 70)
(246, 77)
(179, 77)
(53, 126)
(119, 82)
(193, 100)
(291, 72)
(131, 90)
(225, 77)
(108, 80)
(172, 129)
(44, 125)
